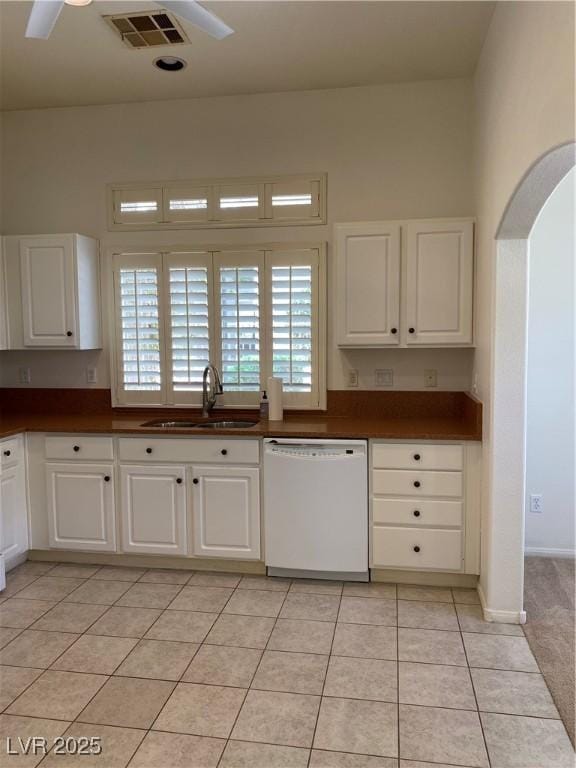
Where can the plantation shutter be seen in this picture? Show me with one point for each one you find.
(137, 280)
(189, 288)
(238, 292)
(293, 302)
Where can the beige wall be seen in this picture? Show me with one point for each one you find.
(524, 104)
(394, 151)
(524, 95)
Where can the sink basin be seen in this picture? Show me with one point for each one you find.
(185, 424)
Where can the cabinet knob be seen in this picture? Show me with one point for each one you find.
(416, 513)
(195, 481)
(106, 478)
(417, 457)
(148, 450)
(6, 453)
(69, 333)
(416, 549)
(224, 452)
(76, 448)
(179, 480)
(416, 483)
(393, 330)
(411, 330)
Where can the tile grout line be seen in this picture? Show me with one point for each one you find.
(326, 675)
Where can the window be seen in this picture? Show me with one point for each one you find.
(216, 305)
(251, 202)
(138, 325)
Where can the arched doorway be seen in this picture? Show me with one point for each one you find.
(502, 578)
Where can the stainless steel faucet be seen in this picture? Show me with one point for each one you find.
(209, 395)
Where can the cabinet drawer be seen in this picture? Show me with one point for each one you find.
(416, 548)
(405, 482)
(80, 447)
(417, 512)
(416, 456)
(11, 452)
(189, 451)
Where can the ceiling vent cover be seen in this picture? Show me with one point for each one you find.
(147, 29)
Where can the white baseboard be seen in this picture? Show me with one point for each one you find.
(500, 617)
(547, 552)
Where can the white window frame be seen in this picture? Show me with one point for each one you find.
(263, 216)
(163, 258)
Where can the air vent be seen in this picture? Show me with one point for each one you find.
(146, 29)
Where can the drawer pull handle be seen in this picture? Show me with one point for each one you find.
(195, 481)
(179, 480)
(106, 478)
(416, 483)
(411, 330)
(6, 453)
(224, 452)
(76, 448)
(417, 457)
(69, 333)
(148, 450)
(393, 330)
(416, 513)
(416, 549)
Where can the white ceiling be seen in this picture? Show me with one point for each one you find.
(277, 46)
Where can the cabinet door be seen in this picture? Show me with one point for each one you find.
(439, 282)
(48, 288)
(368, 284)
(226, 512)
(13, 517)
(154, 510)
(81, 506)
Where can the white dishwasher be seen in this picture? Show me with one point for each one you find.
(316, 508)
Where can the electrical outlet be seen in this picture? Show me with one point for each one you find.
(91, 375)
(25, 376)
(352, 377)
(384, 377)
(536, 503)
(431, 377)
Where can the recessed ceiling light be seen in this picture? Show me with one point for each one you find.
(169, 63)
(77, 2)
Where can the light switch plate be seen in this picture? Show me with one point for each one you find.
(91, 375)
(431, 377)
(384, 377)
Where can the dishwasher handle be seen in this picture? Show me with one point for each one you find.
(310, 451)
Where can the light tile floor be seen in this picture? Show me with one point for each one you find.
(180, 668)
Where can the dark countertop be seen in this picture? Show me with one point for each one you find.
(441, 428)
(361, 414)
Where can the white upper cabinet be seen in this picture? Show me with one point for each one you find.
(53, 289)
(439, 279)
(405, 283)
(368, 284)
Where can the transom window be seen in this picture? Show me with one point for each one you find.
(253, 313)
(202, 203)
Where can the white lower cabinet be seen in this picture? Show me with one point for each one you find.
(226, 507)
(81, 506)
(153, 509)
(13, 516)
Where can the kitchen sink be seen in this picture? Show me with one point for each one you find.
(215, 424)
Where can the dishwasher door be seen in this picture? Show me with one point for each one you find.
(316, 506)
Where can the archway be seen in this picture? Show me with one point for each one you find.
(502, 578)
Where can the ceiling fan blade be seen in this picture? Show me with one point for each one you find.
(192, 11)
(42, 18)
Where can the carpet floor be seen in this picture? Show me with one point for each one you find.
(551, 628)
